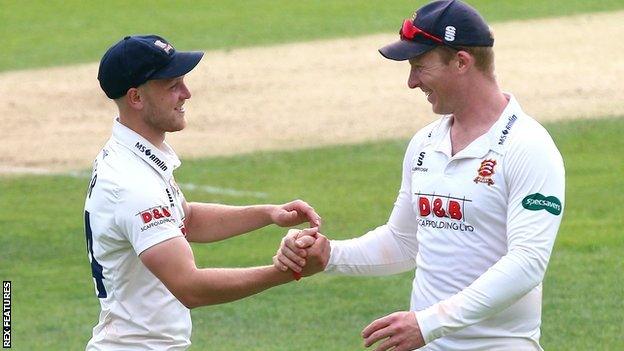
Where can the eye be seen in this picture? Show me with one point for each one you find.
(417, 68)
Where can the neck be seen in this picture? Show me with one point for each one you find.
(481, 104)
(480, 107)
(135, 122)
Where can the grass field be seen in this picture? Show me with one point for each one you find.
(43, 249)
(42, 242)
(47, 33)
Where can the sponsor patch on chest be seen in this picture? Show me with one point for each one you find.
(442, 212)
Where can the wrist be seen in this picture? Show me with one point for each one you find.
(429, 324)
(270, 213)
(283, 277)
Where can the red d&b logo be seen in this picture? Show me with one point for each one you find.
(155, 213)
(441, 206)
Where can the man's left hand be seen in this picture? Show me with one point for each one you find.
(295, 212)
(400, 331)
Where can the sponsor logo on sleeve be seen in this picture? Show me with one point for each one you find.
(485, 172)
(155, 216)
(538, 202)
(176, 198)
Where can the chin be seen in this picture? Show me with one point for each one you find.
(179, 127)
(176, 127)
(180, 123)
(440, 111)
(437, 111)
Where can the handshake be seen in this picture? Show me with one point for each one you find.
(304, 251)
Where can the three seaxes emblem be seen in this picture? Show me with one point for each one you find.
(485, 172)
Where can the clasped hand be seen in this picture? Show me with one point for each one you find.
(303, 251)
(307, 252)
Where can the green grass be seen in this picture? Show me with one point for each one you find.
(353, 187)
(50, 33)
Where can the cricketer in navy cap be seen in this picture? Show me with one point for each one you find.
(136, 59)
(450, 23)
(465, 220)
(137, 221)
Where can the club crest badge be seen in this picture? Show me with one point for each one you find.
(165, 46)
(485, 172)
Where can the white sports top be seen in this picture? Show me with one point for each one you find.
(132, 204)
(478, 227)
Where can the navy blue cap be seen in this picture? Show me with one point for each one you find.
(448, 22)
(136, 59)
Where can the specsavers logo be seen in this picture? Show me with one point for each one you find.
(436, 210)
(537, 202)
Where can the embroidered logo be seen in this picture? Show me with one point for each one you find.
(485, 172)
(148, 152)
(419, 163)
(165, 46)
(449, 33)
(510, 122)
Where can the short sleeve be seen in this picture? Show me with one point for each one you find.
(145, 219)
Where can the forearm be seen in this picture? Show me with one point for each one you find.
(378, 252)
(511, 278)
(212, 286)
(214, 222)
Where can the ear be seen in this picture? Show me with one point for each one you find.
(463, 61)
(134, 98)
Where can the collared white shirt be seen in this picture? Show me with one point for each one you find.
(478, 226)
(132, 204)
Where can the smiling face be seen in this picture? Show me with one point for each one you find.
(163, 102)
(436, 79)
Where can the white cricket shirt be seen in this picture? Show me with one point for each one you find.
(478, 227)
(132, 204)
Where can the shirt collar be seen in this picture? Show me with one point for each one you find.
(163, 161)
(493, 140)
(501, 130)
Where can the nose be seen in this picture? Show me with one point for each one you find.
(413, 81)
(186, 93)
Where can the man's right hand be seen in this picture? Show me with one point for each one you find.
(303, 251)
